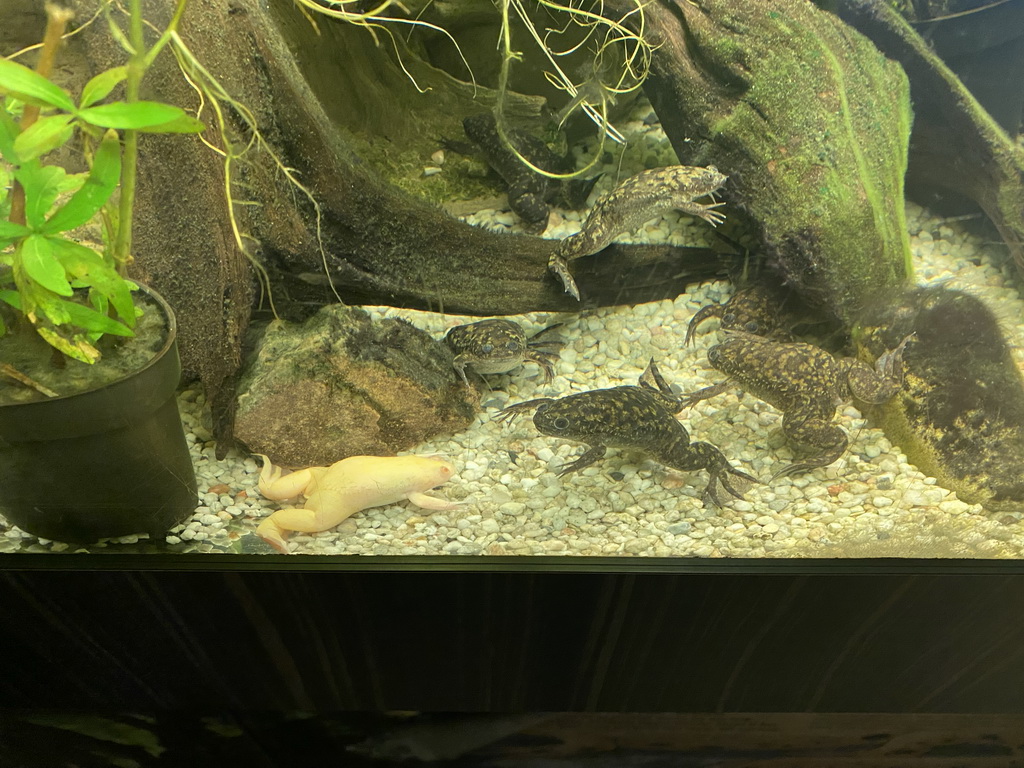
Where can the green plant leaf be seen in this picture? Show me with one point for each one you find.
(76, 348)
(44, 135)
(9, 131)
(90, 320)
(100, 86)
(98, 187)
(40, 263)
(86, 265)
(11, 297)
(42, 184)
(11, 231)
(125, 116)
(183, 124)
(22, 83)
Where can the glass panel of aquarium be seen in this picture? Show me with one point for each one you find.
(699, 279)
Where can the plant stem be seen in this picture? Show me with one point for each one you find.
(138, 63)
(136, 68)
(57, 19)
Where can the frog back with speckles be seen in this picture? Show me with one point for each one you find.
(490, 346)
(793, 377)
(620, 417)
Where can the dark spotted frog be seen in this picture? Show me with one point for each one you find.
(807, 384)
(529, 192)
(499, 345)
(640, 417)
(754, 309)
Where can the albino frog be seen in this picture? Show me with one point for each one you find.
(348, 486)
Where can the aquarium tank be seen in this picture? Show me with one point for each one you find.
(684, 279)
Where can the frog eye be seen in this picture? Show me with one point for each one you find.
(511, 346)
(728, 318)
(714, 354)
(752, 326)
(487, 348)
(560, 423)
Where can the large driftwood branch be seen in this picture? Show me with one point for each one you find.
(384, 246)
(956, 144)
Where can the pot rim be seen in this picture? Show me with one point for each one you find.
(171, 334)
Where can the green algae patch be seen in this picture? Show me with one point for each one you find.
(812, 124)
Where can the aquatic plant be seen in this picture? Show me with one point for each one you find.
(68, 293)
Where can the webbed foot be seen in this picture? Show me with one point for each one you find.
(273, 534)
(722, 477)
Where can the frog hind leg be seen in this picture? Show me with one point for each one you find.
(558, 265)
(274, 529)
(706, 456)
(827, 440)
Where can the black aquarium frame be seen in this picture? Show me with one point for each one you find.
(328, 633)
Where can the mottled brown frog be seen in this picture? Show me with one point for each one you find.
(807, 384)
(638, 199)
(640, 417)
(755, 309)
(499, 345)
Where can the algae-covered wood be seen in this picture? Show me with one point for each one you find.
(810, 121)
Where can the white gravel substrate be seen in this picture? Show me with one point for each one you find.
(870, 503)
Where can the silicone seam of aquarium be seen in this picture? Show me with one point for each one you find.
(513, 564)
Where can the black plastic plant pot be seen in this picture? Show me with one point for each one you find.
(107, 462)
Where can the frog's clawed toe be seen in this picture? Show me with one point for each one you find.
(794, 469)
(560, 268)
(509, 414)
(711, 216)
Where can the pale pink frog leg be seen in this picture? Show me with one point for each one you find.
(432, 502)
(277, 486)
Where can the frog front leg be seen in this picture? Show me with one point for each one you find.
(593, 454)
(432, 502)
(545, 361)
(704, 211)
(707, 393)
(878, 385)
(510, 413)
(460, 364)
(826, 440)
(275, 485)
